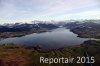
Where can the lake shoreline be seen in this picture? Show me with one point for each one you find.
(19, 34)
(19, 54)
(60, 37)
(30, 55)
(86, 33)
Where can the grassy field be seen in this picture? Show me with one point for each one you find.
(19, 55)
(18, 34)
(87, 32)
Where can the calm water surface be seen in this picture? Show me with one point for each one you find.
(57, 38)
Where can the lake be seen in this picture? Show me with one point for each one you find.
(57, 38)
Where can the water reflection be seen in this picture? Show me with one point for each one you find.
(56, 38)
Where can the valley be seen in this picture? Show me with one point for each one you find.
(24, 44)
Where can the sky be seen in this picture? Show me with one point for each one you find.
(45, 10)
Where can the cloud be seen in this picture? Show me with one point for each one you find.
(41, 9)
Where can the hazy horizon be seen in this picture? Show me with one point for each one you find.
(12, 11)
